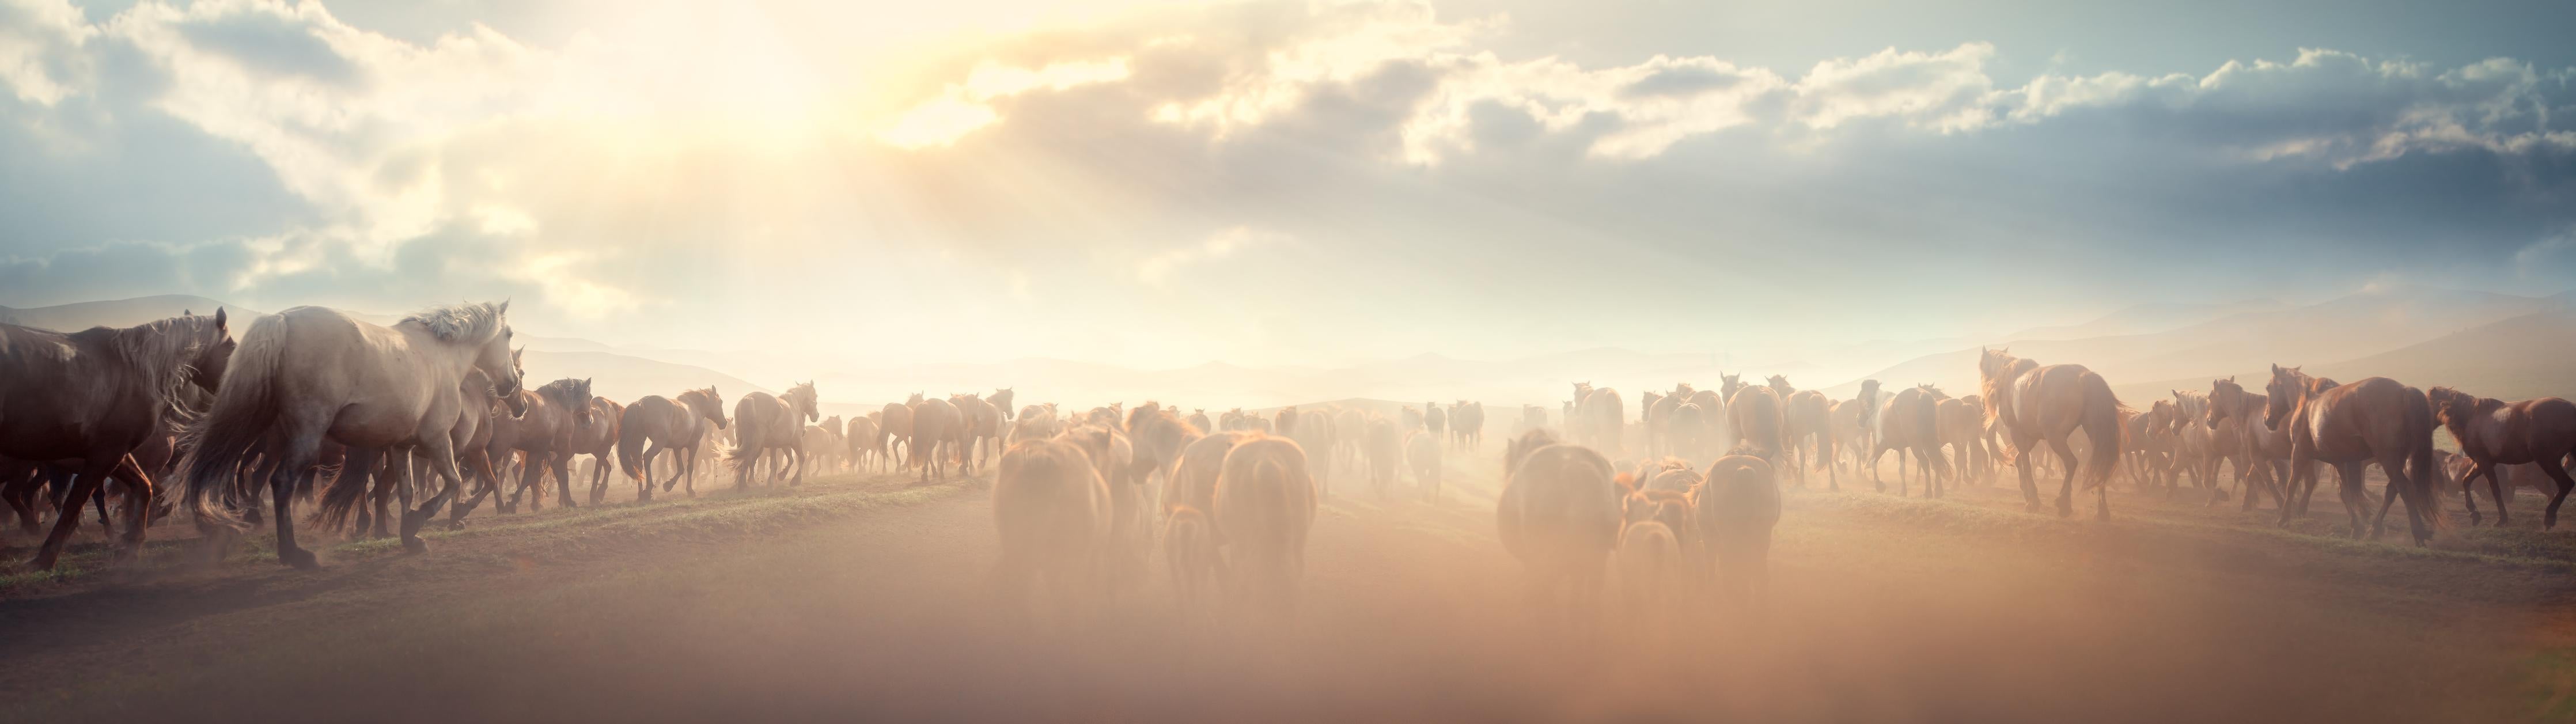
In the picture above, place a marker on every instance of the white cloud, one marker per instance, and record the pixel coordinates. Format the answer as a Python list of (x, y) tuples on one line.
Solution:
[(965, 107), (38, 40), (1158, 267)]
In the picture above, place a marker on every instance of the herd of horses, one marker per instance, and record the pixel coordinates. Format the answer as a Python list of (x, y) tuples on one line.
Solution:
[(383, 428)]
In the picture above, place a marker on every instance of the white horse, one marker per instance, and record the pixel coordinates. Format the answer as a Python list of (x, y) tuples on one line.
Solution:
[(359, 384)]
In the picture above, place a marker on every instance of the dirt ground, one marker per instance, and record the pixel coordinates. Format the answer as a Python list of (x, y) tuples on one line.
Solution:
[(860, 596)]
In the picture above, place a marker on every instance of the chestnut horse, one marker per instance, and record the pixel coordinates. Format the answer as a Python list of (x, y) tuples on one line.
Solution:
[(1806, 417), (2038, 403), (97, 395), (1559, 514), (2373, 420), (311, 373), (2494, 433)]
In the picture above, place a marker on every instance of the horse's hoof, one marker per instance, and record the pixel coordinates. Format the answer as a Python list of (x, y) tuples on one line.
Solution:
[(299, 558), (456, 525), (415, 546)]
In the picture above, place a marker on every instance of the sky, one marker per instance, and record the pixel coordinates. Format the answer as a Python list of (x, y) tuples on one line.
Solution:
[(1159, 185)]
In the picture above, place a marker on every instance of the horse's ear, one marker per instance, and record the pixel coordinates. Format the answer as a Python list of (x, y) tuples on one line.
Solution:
[(504, 308), (219, 319)]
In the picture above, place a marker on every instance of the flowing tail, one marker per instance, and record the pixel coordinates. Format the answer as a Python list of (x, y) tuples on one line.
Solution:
[(2104, 421), (2419, 460), (630, 444), (244, 408), (347, 490)]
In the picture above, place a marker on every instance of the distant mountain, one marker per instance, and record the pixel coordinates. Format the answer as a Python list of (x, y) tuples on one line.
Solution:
[(2340, 329), (624, 378), (2149, 318), (2512, 359)]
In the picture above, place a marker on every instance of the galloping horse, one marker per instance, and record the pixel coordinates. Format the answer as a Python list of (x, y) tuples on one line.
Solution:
[(657, 424), (2266, 449), (1805, 416), (1910, 424), (350, 381), (765, 422), (598, 439), (2036, 403), (96, 396), (2373, 420), (2494, 433)]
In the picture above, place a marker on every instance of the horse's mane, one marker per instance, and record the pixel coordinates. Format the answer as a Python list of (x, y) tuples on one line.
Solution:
[(461, 322), (161, 350), (569, 390)]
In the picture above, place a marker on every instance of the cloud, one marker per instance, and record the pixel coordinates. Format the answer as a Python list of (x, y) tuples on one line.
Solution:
[(39, 49), (1154, 269), (964, 107)]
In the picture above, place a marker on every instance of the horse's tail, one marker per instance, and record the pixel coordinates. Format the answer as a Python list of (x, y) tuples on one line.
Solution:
[(746, 435), (347, 489), (630, 444), (2105, 420), (2419, 459), (245, 406)]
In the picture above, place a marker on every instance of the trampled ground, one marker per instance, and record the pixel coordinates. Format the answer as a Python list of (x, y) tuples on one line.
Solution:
[(861, 595)]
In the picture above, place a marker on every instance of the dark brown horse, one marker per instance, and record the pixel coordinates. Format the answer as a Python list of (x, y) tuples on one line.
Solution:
[(2494, 433), (657, 424), (95, 396), (546, 438), (934, 423), (597, 438)]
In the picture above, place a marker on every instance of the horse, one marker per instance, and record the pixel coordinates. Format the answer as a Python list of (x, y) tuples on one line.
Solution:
[(1001, 401), (1052, 511), (1316, 434), (1037, 422), (764, 422), (1435, 419), (2037, 403), (1559, 514), (1265, 505), (2266, 449), (2195, 450), (934, 423), (1193, 478), (1866, 414), (1735, 511), (978, 422), (894, 426), (347, 380), (1199, 420), (1961, 425), (858, 439), (1385, 450), (544, 435), (1909, 423), (1190, 555), (2149, 442), (2493, 433), (1158, 437), (1805, 417), (479, 412), (1755, 416), (1655, 412), (2372, 420), (96, 396), (1467, 425), (1350, 439), (1422, 455), (1603, 418), (598, 439), (1686, 430)]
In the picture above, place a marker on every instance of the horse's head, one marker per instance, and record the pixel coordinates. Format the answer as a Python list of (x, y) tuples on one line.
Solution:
[(2288, 388), (2451, 405), (915, 399), (1727, 384), (706, 403), (569, 394), (806, 402), (1780, 384), (1932, 391), (210, 348), (2224, 396), (832, 424)]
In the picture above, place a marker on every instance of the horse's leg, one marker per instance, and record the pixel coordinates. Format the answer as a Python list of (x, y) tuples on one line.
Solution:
[(689, 471), (561, 464), (2066, 489), (389, 481), (442, 459), (796, 457), (2355, 497), (2557, 470), (532, 472), (93, 472), (2469, 494), (644, 491), (299, 442), (2495, 489)]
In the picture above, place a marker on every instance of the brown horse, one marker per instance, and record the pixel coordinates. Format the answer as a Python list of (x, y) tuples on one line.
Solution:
[(1193, 483), (1961, 425), (1805, 420), (1559, 515), (657, 424), (979, 423), (2373, 420), (764, 422), (894, 427), (2036, 403), (2266, 449), (1053, 513), (598, 439), (2494, 433), (1158, 437), (310, 373), (934, 423), (97, 395), (1603, 418), (1754, 414), (1735, 511), (1467, 425), (547, 437), (1265, 505), (1910, 425), (858, 442)]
